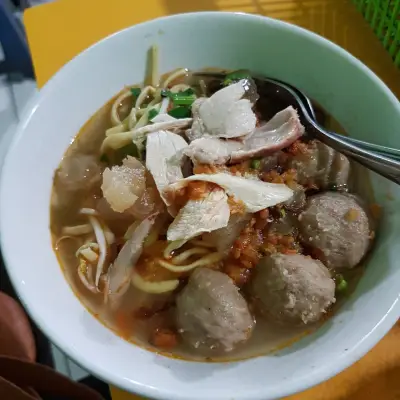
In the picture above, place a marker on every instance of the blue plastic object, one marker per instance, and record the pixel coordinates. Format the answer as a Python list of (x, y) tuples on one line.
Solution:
[(13, 42)]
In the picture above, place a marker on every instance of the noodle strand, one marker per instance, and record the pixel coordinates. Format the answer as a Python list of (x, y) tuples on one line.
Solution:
[(154, 76), (174, 76), (187, 254), (115, 119), (204, 261)]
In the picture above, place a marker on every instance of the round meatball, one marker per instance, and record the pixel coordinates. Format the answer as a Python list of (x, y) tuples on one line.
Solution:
[(211, 313), (321, 165), (337, 228), (292, 289)]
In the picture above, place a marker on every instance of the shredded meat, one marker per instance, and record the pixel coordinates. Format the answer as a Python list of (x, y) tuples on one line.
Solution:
[(288, 177), (194, 190), (236, 206), (246, 248)]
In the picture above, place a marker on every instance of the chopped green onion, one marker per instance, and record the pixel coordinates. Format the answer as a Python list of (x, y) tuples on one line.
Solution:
[(185, 98), (152, 113), (187, 92), (341, 283), (104, 159), (282, 212), (180, 112), (136, 91), (236, 76), (255, 164), (168, 93)]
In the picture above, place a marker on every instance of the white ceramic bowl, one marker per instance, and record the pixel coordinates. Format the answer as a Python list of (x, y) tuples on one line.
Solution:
[(344, 86)]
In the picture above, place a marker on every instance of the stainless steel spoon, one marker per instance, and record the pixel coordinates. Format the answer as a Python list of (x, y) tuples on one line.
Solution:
[(384, 163), (383, 150)]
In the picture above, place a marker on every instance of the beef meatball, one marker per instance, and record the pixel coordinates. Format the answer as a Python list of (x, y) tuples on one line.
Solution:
[(271, 161), (337, 228), (321, 165), (211, 313), (292, 289)]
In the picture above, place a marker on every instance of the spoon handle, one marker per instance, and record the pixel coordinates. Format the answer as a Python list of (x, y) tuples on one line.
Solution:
[(376, 148), (382, 165)]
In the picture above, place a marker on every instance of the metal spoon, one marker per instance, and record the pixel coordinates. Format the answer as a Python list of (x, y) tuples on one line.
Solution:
[(383, 163), (383, 150), (286, 94)]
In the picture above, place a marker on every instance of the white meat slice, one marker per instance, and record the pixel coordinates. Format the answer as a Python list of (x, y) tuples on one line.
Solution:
[(199, 216), (224, 238), (254, 193), (279, 132), (163, 118), (120, 272), (123, 185), (226, 114), (197, 130), (164, 158)]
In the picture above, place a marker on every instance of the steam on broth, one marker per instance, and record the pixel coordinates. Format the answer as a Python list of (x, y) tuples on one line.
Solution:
[(193, 217)]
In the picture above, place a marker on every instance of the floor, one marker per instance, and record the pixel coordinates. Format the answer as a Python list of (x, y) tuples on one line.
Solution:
[(15, 93)]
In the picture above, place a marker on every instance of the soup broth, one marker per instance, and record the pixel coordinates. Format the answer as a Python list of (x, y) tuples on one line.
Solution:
[(147, 318)]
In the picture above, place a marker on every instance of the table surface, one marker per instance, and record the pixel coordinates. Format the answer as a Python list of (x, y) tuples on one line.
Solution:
[(376, 375)]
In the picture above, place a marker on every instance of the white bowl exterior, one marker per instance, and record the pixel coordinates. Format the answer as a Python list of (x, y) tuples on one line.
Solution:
[(339, 82)]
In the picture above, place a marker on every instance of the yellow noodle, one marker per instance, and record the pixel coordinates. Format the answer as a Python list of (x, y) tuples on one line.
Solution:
[(172, 77), (125, 123), (154, 75), (77, 230), (144, 119), (153, 287), (188, 253), (132, 119), (139, 113), (204, 261), (115, 129), (147, 91), (77, 239), (141, 129), (155, 103), (115, 119), (116, 141), (180, 87), (173, 246)]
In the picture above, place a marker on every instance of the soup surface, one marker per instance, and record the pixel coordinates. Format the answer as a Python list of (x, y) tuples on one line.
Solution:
[(193, 216)]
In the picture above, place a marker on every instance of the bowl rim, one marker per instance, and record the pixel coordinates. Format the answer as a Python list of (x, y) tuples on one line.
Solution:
[(368, 341)]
